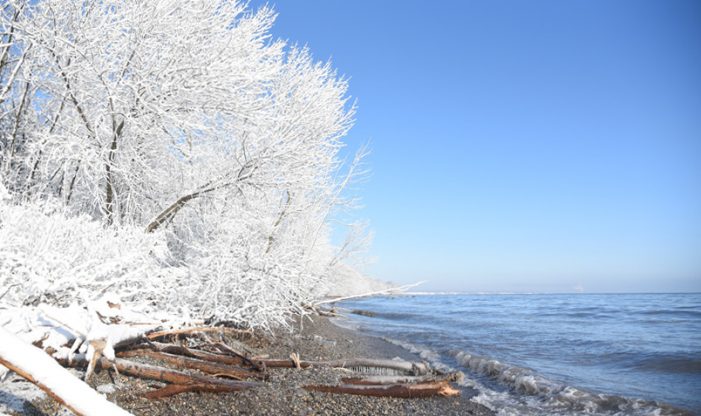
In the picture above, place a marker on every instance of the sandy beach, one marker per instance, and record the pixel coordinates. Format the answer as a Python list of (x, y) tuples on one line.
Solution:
[(319, 339)]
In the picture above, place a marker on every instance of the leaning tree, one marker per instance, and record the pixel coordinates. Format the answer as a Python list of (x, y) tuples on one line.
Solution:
[(186, 119)]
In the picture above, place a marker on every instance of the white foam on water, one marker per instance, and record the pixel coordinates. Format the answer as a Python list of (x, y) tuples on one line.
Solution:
[(521, 392), (426, 354), (528, 393)]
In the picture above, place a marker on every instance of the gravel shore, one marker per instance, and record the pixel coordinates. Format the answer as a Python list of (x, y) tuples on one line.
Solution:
[(282, 394)]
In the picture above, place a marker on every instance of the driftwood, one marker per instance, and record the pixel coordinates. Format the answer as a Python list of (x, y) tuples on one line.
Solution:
[(189, 352), (194, 363), (229, 350), (441, 388), (375, 380), (237, 358), (362, 364), (38, 368), (159, 373), (242, 355), (242, 350), (223, 368)]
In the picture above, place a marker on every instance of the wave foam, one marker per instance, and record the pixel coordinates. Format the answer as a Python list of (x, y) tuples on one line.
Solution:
[(522, 392), (537, 395)]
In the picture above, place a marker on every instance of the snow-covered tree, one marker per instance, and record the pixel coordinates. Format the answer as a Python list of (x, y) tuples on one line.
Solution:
[(187, 120)]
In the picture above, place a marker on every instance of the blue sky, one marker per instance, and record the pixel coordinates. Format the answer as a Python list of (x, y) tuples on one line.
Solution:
[(523, 146)]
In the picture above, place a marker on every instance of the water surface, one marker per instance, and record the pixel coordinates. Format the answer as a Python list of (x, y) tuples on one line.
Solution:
[(556, 354)]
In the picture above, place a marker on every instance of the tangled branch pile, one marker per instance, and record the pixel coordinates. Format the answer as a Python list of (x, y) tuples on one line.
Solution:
[(169, 152), (184, 359)]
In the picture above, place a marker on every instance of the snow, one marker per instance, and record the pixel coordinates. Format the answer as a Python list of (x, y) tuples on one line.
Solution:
[(15, 392), (48, 373), (186, 162), (65, 331), (168, 163)]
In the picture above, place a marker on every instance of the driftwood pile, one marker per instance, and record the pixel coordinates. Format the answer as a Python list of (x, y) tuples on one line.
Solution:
[(221, 367)]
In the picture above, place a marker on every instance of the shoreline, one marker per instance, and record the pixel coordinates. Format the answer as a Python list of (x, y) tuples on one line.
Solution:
[(498, 343), (319, 339)]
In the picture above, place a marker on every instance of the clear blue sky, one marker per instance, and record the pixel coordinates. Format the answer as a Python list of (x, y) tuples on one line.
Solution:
[(523, 145)]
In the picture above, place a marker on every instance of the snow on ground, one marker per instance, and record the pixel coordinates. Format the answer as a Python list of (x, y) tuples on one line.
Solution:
[(15, 391), (59, 381), (62, 331)]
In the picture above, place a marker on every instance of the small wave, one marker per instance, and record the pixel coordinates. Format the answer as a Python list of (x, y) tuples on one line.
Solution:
[(664, 363), (579, 315), (552, 397), (576, 346), (426, 354), (529, 394), (679, 364), (397, 316), (678, 313)]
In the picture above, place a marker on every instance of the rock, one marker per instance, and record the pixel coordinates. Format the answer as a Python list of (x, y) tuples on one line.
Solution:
[(364, 313)]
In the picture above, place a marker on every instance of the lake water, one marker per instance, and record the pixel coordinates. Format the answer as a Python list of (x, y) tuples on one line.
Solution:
[(555, 354)]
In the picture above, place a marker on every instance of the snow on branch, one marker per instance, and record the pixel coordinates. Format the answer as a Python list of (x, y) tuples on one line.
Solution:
[(171, 153)]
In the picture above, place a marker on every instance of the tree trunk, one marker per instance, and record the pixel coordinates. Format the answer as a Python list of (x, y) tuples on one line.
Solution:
[(109, 186)]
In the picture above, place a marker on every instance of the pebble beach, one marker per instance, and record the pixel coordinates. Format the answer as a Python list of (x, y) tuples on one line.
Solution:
[(315, 340)]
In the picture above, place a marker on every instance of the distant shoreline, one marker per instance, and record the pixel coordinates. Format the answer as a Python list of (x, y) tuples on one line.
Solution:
[(427, 293)]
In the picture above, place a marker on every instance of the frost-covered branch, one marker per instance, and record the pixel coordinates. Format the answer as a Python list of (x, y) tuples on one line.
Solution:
[(172, 153)]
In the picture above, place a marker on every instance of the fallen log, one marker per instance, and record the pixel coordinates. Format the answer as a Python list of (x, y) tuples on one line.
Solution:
[(38, 368), (243, 351), (231, 358), (243, 355), (189, 352), (375, 380), (282, 363), (158, 373), (193, 363), (441, 388), (365, 365)]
